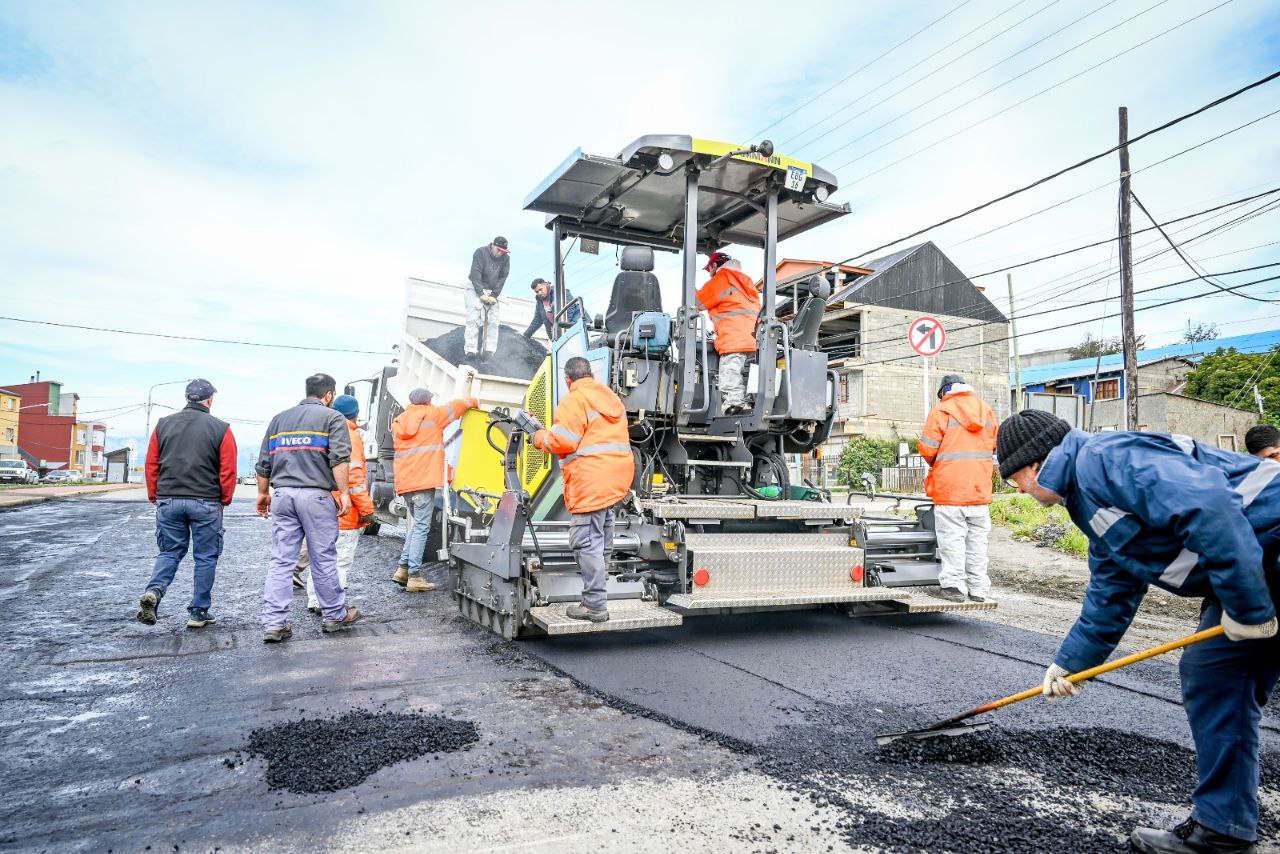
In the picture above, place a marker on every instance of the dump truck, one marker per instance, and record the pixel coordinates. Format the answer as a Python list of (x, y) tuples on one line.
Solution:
[(712, 524)]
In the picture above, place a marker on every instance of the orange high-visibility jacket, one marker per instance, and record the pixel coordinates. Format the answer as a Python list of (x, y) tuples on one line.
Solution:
[(589, 432), (419, 442), (733, 302), (361, 503), (958, 441)]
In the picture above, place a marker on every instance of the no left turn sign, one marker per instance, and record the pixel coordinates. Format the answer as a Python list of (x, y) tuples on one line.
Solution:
[(926, 336)]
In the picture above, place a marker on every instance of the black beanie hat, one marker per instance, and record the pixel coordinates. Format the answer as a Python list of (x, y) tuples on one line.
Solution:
[(1027, 437)]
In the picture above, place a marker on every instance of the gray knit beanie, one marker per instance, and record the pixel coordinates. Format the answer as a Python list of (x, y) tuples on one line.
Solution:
[(420, 395), (1027, 437)]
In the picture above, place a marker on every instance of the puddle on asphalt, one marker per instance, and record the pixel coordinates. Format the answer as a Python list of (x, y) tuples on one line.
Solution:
[(328, 754)]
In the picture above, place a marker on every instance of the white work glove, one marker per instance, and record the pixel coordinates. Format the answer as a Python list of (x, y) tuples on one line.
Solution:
[(1240, 632), (488, 298), (1056, 684)]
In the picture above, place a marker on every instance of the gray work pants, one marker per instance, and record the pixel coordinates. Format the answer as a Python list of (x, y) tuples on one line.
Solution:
[(733, 385), (962, 547), (299, 514), (591, 538), (481, 320)]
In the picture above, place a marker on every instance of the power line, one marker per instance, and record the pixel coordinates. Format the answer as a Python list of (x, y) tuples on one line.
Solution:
[(861, 68)]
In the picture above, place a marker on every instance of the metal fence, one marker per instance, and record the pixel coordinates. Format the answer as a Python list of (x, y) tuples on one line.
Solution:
[(903, 479)]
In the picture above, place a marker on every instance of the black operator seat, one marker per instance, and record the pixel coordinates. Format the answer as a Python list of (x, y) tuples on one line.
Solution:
[(808, 320), (635, 288)]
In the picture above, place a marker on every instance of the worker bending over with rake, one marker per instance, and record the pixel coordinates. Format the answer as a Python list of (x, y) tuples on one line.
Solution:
[(589, 433), (733, 302), (1196, 521)]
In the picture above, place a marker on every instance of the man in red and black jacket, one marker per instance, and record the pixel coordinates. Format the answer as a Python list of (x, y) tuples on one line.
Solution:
[(191, 476)]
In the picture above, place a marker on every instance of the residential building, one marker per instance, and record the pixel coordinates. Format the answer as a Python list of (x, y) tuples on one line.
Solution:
[(1097, 385), (10, 410), (45, 434), (882, 391)]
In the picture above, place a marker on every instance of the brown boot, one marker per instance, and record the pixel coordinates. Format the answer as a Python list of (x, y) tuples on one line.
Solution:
[(418, 585), (348, 617), (402, 575)]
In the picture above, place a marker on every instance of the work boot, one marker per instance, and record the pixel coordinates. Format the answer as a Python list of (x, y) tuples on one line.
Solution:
[(199, 618), (298, 583), (418, 584), (973, 598), (280, 633), (470, 357), (147, 606), (313, 607), (951, 594), (1190, 837), (402, 575), (581, 612), (350, 616)]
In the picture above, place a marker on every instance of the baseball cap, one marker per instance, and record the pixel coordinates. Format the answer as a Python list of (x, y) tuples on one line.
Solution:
[(200, 390), (501, 243), (716, 259)]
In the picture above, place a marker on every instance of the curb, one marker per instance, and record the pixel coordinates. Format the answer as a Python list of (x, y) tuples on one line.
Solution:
[(9, 503)]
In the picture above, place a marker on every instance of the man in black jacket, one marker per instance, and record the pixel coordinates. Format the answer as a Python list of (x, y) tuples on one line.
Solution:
[(489, 268), (191, 476), (544, 311)]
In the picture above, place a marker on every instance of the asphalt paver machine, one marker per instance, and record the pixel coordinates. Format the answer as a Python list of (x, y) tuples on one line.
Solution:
[(713, 524)]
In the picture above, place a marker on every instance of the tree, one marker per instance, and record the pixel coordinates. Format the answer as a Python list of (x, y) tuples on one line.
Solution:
[(1228, 376), (1201, 331), (1090, 347)]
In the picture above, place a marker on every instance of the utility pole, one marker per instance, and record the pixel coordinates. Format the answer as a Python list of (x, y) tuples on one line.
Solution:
[(1017, 363), (1126, 283), (147, 436)]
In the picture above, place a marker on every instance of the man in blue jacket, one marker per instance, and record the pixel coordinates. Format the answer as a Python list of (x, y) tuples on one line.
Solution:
[(1199, 522)]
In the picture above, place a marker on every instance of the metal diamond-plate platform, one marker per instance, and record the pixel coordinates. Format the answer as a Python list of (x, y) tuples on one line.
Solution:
[(803, 510), (624, 615), (698, 510), (765, 542), (923, 603), (765, 599)]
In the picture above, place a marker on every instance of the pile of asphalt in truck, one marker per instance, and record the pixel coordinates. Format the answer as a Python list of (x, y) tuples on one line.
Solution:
[(517, 357)]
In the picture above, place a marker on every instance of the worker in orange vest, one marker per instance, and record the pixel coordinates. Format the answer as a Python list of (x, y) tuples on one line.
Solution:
[(589, 433), (733, 302), (419, 472), (354, 521), (958, 442)]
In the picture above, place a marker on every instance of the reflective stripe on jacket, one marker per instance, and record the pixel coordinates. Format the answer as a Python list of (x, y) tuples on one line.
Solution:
[(1165, 510), (357, 488), (733, 302), (419, 443), (589, 433), (958, 440)]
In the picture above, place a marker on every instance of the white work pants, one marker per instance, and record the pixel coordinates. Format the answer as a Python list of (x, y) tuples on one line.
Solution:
[(482, 320), (733, 385), (347, 542), (962, 547)]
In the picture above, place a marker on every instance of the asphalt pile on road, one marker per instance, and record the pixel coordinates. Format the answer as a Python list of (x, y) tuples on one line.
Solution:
[(517, 357), (328, 754)]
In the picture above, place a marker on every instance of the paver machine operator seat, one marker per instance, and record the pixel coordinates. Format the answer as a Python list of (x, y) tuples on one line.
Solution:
[(635, 289), (808, 320)]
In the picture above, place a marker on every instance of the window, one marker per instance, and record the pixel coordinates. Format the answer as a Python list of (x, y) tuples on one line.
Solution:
[(1106, 389), (10, 435), (1226, 442), (844, 388), (79, 458), (8, 403), (1064, 389)]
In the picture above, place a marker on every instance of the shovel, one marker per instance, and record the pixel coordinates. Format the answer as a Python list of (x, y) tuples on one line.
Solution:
[(956, 726)]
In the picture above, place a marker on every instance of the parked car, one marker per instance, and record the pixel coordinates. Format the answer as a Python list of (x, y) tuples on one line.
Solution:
[(63, 476), (250, 479), (17, 471)]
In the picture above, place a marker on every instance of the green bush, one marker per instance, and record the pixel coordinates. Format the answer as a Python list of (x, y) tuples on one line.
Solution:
[(1023, 515), (869, 455)]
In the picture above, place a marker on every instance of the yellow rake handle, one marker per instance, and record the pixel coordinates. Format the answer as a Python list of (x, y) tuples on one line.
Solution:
[(1108, 667)]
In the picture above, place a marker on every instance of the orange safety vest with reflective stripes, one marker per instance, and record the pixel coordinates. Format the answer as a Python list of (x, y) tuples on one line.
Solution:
[(419, 443), (958, 441), (733, 302), (589, 432), (357, 488)]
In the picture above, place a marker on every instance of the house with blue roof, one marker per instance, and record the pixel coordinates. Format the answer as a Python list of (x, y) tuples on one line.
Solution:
[(1091, 392)]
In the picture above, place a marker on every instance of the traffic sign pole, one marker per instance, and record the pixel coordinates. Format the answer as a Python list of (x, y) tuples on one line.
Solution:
[(927, 407), (926, 336)]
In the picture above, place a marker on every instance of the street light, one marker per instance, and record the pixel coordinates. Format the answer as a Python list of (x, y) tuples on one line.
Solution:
[(147, 436)]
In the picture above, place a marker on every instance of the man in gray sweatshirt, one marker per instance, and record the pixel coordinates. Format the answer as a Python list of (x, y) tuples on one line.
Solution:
[(489, 268)]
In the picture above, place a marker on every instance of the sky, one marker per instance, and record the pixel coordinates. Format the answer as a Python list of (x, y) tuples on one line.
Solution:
[(272, 172)]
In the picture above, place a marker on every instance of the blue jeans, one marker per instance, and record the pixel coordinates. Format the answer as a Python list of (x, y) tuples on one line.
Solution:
[(422, 507), (180, 521), (1225, 684)]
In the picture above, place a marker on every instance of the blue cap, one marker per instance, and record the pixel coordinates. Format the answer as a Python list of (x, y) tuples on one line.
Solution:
[(200, 390), (347, 405)]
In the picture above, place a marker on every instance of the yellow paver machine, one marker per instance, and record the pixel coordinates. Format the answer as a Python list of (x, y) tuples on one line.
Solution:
[(713, 524)]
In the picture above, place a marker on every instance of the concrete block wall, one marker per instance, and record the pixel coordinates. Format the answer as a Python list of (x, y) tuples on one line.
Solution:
[(1159, 412)]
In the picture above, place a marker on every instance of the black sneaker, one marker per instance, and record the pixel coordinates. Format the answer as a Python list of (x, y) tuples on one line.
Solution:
[(1190, 837), (977, 599), (950, 594), (199, 618), (147, 606)]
